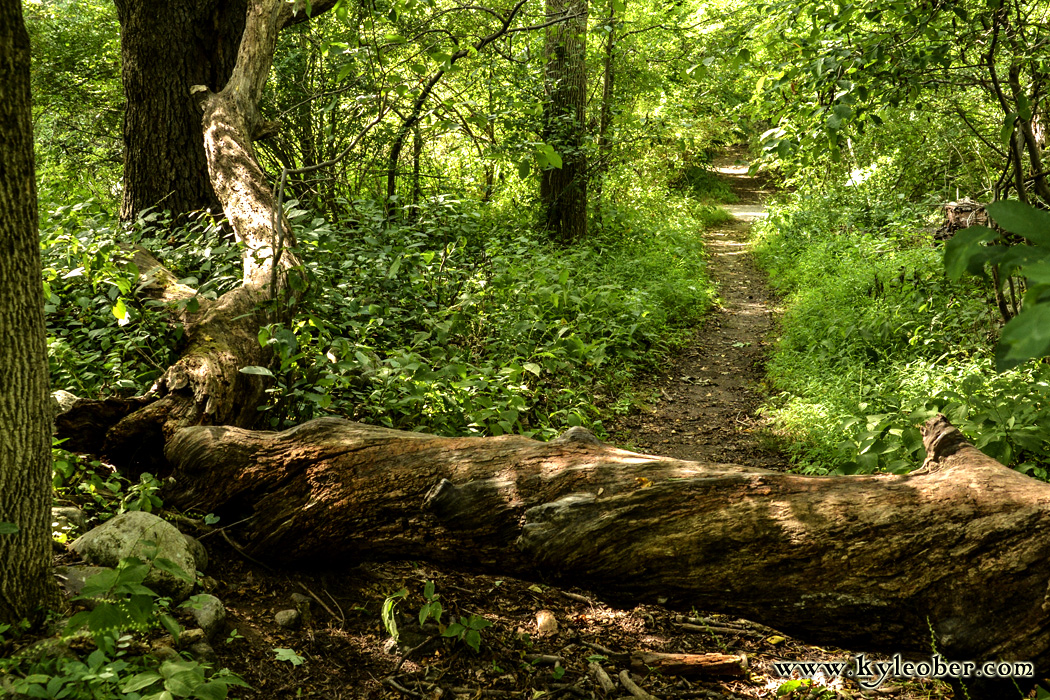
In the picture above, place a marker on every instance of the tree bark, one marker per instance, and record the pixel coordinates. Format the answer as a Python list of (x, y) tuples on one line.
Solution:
[(206, 386), (953, 558), (564, 190), (167, 46), (26, 583)]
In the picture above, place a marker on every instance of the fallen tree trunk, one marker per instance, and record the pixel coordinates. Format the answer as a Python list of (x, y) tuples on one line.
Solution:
[(953, 558)]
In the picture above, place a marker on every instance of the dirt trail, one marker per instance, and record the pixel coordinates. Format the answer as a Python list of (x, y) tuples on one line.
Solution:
[(708, 397)]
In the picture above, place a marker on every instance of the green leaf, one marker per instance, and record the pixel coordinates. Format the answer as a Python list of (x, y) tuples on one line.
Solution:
[(256, 369), (167, 565), (617, 5), (140, 681), (1025, 337), (1008, 129), (289, 656), (966, 251), (212, 690), (185, 683), (8, 528), (1022, 219), (120, 312)]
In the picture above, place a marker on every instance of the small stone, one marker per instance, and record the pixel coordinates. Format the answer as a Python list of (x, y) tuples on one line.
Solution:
[(288, 619), (209, 613), (203, 652), (143, 535), (62, 401), (390, 647), (207, 583), (301, 600), (163, 653), (190, 637), (546, 624), (73, 578), (66, 519)]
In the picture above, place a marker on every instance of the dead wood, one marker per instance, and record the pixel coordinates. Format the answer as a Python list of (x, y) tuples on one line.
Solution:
[(953, 558), (690, 664)]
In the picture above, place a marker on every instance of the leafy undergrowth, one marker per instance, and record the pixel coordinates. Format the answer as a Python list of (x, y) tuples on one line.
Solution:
[(464, 321), (876, 339)]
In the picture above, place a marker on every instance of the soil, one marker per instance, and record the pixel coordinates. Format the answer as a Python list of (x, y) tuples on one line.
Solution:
[(707, 405), (706, 402)]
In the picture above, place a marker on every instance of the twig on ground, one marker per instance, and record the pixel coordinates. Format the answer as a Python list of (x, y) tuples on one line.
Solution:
[(632, 687)]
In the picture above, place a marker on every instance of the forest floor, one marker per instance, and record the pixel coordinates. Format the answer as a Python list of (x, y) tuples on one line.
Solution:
[(706, 410), (707, 400)]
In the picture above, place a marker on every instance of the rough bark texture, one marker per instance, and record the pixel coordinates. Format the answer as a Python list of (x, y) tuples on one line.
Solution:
[(564, 190), (25, 404), (167, 46), (956, 554), (206, 385)]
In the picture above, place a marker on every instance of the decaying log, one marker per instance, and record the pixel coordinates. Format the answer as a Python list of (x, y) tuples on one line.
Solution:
[(690, 664), (959, 215), (952, 558)]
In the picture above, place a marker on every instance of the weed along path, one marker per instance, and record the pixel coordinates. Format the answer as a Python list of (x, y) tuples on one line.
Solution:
[(706, 401)]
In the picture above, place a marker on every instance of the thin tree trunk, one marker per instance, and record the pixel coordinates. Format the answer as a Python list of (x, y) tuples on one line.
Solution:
[(605, 118), (564, 190), (417, 154), (26, 584)]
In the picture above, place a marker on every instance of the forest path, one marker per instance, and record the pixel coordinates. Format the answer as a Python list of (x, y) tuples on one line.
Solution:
[(709, 394)]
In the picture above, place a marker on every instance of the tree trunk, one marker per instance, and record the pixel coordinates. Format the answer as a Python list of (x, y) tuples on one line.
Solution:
[(953, 558), (605, 118), (26, 583), (564, 190), (167, 46)]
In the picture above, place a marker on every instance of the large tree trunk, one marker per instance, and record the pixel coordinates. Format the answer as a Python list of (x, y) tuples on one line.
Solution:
[(953, 558), (167, 46), (564, 190), (25, 404), (206, 386)]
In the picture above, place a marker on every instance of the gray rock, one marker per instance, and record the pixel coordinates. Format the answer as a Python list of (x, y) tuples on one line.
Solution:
[(203, 652), (200, 554), (66, 519), (209, 613), (73, 578), (288, 618), (165, 653), (142, 535)]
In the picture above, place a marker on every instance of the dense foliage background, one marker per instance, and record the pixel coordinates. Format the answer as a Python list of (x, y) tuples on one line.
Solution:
[(445, 307)]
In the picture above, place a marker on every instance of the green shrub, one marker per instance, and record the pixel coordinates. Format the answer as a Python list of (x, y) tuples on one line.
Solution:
[(876, 339)]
